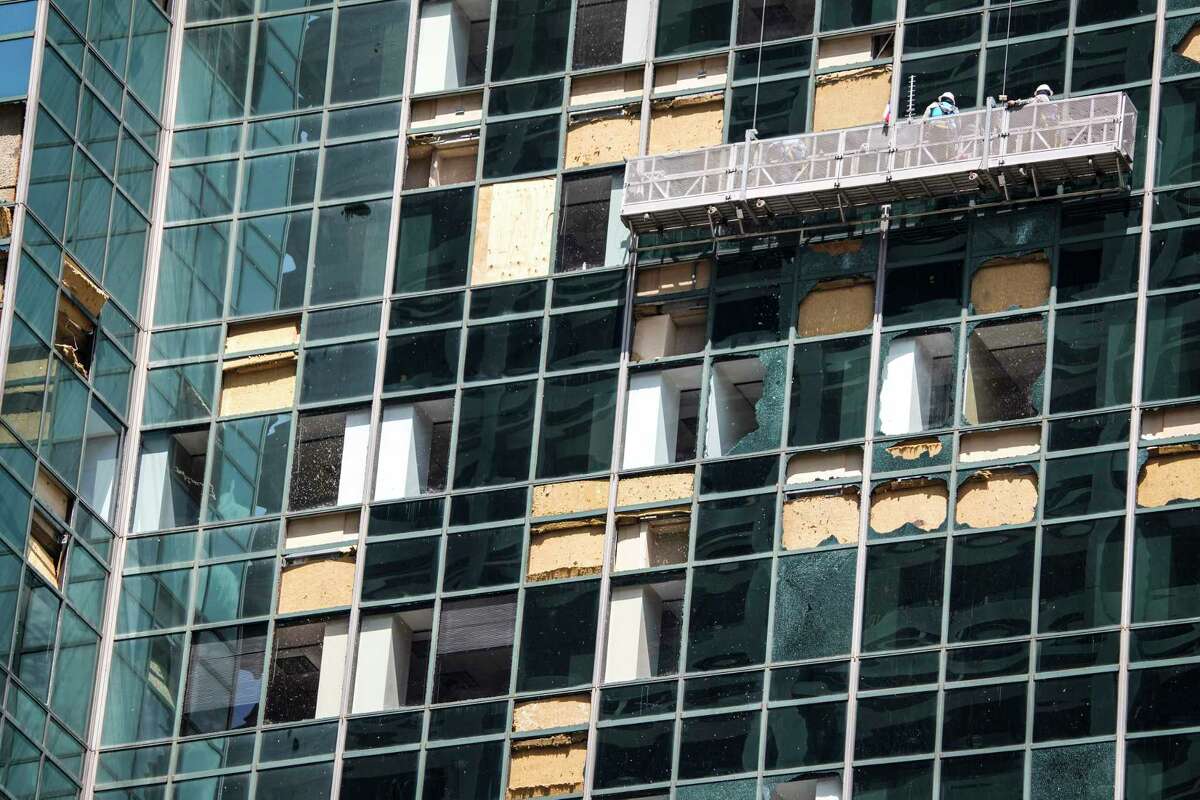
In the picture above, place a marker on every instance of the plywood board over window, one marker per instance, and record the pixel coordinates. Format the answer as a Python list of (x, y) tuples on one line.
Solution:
[(258, 383), (312, 583), (687, 123), (514, 226), (603, 137), (851, 97)]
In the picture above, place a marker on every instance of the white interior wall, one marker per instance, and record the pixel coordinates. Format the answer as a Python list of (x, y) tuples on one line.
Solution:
[(404, 441), (99, 470), (904, 391), (333, 665), (154, 508), (443, 40), (381, 674), (637, 29), (651, 421), (635, 616)]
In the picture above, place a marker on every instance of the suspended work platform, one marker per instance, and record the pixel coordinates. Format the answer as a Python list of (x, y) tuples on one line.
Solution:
[(1035, 148)]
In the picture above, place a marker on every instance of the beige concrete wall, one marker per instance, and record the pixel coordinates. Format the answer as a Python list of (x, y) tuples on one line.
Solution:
[(997, 497), (514, 227), (1171, 422), (1001, 284), (699, 73), (852, 97), (12, 123), (811, 520), (1004, 443), (565, 550), (921, 503), (263, 335), (837, 306), (687, 123), (610, 87), (551, 712), (459, 109), (1170, 474), (655, 488), (688, 276), (325, 529), (258, 383), (825, 465), (552, 499), (547, 767), (311, 584), (53, 495), (603, 139)]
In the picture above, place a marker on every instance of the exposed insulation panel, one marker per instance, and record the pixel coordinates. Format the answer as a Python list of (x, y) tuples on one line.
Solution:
[(699, 73), (688, 276), (547, 767), (1170, 474), (1009, 283), (1171, 422), (565, 550), (12, 123), (922, 504), (316, 583), (551, 712), (1189, 45), (992, 445), (439, 112), (610, 87), (825, 518), (52, 494), (552, 499), (997, 497), (326, 529), (258, 383), (602, 139), (263, 335), (514, 227), (656, 488), (687, 123), (825, 465), (85, 291), (852, 97), (915, 449), (837, 306)]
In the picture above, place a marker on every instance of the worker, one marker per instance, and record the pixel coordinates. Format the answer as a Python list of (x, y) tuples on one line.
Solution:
[(944, 106), (1043, 94)]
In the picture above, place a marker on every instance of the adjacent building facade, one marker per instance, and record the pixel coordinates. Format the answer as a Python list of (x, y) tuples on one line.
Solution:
[(352, 447)]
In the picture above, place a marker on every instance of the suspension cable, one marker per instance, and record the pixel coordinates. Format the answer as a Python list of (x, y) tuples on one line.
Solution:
[(1007, 44), (762, 32)]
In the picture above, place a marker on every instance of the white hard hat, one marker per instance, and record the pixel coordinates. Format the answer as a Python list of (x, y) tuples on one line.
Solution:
[(948, 96), (1043, 89)]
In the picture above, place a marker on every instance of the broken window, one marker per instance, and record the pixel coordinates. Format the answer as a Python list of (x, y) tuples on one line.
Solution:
[(414, 448), (451, 44), (820, 519), (170, 479), (610, 32), (654, 538), (316, 581), (392, 661), (669, 329), (590, 232), (46, 549), (74, 335), (328, 465), (644, 629), (745, 401), (558, 636), (514, 227), (917, 389), (1005, 362), (661, 417), (441, 159), (307, 667), (474, 648), (775, 19)]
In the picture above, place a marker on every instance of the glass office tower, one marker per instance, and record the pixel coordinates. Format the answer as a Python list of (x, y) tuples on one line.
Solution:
[(352, 447)]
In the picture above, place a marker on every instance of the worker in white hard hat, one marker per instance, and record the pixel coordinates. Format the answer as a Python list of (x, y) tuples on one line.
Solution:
[(1042, 94), (944, 106)]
